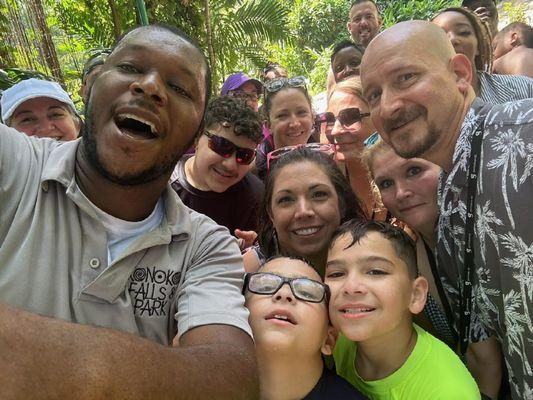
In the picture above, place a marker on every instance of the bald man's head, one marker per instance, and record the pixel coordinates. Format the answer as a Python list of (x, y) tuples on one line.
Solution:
[(415, 84)]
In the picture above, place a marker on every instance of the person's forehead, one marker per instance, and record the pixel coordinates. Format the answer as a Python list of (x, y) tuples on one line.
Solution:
[(363, 8), (154, 41), (291, 173), (248, 87), (290, 268), (38, 103), (340, 100), (348, 53), (371, 246)]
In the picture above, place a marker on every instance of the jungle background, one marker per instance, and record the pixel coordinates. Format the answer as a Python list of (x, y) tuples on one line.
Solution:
[(53, 38)]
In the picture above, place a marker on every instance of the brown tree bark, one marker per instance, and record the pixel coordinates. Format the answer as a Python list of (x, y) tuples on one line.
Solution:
[(115, 16), (46, 39), (210, 48)]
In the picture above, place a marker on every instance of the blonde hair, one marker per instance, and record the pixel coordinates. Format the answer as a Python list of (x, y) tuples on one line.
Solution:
[(352, 86), (370, 153)]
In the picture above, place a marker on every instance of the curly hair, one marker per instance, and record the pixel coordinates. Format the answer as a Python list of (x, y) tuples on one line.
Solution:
[(483, 61), (349, 204), (235, 111)]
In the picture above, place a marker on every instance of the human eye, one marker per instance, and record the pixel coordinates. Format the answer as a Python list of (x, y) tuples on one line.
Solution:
[(376, 271), (320, 195), (412, 171), (385, 184), (334, 274), (178, 89), (373, 96), (406, 77), (27, 120), (464, 33), (128, 68), (284, 200), (303, 113)]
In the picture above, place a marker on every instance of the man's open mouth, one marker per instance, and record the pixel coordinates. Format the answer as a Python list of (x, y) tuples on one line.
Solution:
[(136, 126)]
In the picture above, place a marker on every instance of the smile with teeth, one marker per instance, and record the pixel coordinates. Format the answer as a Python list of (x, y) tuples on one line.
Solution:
[(137, 126), (306, 231), (357, 310)]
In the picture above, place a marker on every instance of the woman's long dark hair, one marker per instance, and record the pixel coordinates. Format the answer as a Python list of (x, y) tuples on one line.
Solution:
[(349, 204)]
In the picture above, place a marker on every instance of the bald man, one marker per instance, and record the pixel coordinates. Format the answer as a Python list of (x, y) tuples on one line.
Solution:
[(423, 105)]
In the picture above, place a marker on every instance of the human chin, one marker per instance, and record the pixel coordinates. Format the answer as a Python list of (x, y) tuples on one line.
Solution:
[(115, 165)]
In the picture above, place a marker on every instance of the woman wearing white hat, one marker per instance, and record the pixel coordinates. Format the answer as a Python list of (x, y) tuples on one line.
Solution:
[(40, 108)]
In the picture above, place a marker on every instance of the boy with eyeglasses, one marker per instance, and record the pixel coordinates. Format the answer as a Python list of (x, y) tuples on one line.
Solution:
[(375, 290), (216, 180), (289, 318)]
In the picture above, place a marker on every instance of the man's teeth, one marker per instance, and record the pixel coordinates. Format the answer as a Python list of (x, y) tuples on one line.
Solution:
[(122, 117), (357, 310), (306, 231), (283, 317)]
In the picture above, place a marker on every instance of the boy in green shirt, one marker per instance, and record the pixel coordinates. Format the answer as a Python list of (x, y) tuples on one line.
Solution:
[(371, 271)]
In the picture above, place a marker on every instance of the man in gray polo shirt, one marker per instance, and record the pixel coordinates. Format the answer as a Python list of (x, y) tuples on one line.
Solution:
[(93, 241)]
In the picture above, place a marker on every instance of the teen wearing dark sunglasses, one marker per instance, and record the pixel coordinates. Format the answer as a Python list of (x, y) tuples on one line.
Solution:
[(216, 180), (287, 301)]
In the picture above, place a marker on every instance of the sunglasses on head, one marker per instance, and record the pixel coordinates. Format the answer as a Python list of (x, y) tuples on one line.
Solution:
[(276, 84), (347, 117), (225, 148), (325, 148), (304, 289)]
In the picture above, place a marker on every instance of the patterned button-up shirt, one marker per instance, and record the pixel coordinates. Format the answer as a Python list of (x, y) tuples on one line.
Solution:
[(502, 295)]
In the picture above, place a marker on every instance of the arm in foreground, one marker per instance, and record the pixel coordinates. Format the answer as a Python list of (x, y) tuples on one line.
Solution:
[(48, 358), (484, 361)]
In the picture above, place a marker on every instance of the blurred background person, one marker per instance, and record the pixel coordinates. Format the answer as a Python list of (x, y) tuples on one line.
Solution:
[(40, 108), (513, 50), (242, 86)]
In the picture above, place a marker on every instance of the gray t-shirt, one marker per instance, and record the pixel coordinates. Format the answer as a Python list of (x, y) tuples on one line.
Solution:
[(53, 253)]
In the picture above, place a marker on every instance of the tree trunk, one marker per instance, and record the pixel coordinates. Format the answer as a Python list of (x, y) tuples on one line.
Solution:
[(210, 48), (46, 40), (115, 16)]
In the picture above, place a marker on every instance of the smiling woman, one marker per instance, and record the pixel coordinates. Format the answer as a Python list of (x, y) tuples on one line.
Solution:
[(306, 199)]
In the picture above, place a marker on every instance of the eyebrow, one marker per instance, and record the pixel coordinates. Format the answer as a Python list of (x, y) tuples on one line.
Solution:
[(140, 47), (342, 263)]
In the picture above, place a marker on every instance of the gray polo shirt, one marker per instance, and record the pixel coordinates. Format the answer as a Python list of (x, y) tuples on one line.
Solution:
[(53, 253)]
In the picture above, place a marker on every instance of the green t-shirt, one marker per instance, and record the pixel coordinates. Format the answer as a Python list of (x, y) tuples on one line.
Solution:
[(432, 371)]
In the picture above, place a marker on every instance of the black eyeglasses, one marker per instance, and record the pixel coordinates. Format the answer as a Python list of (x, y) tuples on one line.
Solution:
[(225, 148), (302, 288), (325, 122), (276, 84)]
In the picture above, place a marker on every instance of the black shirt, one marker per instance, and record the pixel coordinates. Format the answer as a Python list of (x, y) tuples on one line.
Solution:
[(333, 387), (237, 207)]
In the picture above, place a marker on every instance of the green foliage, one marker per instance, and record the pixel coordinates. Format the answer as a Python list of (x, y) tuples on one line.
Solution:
[(515, 12), (10, 76), (393, 11)]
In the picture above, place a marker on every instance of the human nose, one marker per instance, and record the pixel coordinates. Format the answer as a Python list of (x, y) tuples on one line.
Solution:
[(403, 191), (150, 85), (354, 284), (230, 163), (284, 294), (44, 128), (453, 38), (304, 208), (389, 103)]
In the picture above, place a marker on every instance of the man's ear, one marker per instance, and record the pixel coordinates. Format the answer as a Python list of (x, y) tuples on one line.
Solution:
[(329, 343), (515, 39), (419, 295), (380, 21), (464, 73)]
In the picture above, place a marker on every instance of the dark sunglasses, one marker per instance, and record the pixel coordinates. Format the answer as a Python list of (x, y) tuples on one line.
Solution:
[(302, 288), (324, 122), (241, 94), (225, 148), (276, 84), (325, 148)]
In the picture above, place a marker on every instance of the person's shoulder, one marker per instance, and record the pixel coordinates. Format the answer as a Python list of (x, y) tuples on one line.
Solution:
[(333, 387), (503, 116), (441, 371)]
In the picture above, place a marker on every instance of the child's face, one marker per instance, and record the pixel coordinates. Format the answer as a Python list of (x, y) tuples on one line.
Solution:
[(372, 294), (281, 321)]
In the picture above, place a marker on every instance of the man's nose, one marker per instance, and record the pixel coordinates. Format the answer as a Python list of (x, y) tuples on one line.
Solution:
[(151, 85)]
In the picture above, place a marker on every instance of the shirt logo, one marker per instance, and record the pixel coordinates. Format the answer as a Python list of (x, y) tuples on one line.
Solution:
[(151, 289)]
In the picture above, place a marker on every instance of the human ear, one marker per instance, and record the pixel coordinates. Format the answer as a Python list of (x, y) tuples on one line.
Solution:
[(329, 343), (418, 295), (349, 27), (514, 39), (464, 73)]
